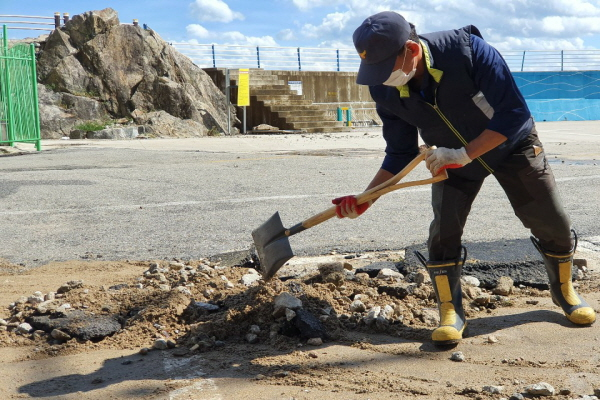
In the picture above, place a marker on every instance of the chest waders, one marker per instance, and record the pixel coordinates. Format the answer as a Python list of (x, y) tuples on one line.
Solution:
[(445, 277), (558, 267)]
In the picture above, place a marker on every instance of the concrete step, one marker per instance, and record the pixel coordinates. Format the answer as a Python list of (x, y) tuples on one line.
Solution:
[(327, 129), (304, 113), (275, 100), (307, 118), (274, 92), (311, 124), (298, 105)]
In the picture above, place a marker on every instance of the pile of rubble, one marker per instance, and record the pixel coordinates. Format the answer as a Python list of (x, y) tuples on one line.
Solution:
[(201, 305)]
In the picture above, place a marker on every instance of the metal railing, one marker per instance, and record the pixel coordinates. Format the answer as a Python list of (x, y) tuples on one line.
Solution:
[(269, 57), (19, 110), (33, 23), (319, 59)]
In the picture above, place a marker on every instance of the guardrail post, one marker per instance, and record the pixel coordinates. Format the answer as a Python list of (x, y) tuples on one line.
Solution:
[(348, 116), (213, 57), (299, 64), (7, 89), (562, 60), (36, 106), (135, 22), (523, 61), (65, 18), (258, 56), (56, 20), (338, 59)]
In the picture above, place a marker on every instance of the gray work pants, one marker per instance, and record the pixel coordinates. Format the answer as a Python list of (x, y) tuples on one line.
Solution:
[(530, 187)]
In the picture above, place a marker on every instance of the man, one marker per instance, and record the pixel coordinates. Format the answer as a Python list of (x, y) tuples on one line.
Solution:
[(457, 92)]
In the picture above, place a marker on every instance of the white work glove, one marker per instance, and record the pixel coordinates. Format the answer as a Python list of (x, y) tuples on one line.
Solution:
[(441, 158)]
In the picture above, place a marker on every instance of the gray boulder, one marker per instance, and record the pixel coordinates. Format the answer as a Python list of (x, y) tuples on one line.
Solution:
[(101, 70)]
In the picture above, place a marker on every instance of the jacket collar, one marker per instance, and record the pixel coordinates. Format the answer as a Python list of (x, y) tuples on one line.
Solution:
[(435, 73)]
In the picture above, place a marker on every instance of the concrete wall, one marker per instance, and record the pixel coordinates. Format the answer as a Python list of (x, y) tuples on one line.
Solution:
[(551, 96), (328, 87)]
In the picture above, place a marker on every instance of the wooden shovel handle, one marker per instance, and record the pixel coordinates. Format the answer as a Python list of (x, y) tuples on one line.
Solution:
[(388, 186)]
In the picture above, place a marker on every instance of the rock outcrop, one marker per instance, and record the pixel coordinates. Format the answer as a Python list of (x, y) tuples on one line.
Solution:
[(95, 69)]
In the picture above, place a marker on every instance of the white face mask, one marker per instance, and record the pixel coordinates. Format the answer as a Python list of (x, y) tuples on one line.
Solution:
[(399, 77)]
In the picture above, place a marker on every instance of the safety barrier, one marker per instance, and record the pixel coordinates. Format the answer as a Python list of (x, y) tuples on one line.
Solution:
[(320, 59), (19, 110)]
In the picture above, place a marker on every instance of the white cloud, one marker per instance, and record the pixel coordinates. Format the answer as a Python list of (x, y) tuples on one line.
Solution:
[(308, 4), (197, 30), (286, 34), (214, 10), (239, 38), (536, 23)]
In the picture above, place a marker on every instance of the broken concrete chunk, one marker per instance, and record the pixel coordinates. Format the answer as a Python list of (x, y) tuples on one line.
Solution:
[(284, 301)]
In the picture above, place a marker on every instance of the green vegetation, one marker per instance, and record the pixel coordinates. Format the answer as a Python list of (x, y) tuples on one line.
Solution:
[(214, 131), (91, 126)]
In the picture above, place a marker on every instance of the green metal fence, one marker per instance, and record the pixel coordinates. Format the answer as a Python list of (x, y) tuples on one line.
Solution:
[(19, 110)]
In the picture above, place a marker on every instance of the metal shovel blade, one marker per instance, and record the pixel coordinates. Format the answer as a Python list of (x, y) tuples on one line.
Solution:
[(272, 245)]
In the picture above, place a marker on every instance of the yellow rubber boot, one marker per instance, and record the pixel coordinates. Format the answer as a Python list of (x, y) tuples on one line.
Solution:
[(445, 277), (559, 268)]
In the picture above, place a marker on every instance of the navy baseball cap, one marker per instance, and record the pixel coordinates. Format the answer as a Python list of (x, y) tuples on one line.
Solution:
[(378, 41)]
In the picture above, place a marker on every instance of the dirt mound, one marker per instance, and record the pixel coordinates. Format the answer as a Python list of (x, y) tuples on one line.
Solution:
[(201, 305)]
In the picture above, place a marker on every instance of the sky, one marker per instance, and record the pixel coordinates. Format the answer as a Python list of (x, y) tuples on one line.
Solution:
[(506, 24)]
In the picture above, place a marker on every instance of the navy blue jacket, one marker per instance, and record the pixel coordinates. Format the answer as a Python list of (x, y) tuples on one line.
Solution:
[(467, 88)]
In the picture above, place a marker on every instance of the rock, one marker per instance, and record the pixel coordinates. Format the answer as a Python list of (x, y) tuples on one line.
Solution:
[(315, 341), (37, 298), (504, 286), (540, 389), (492, 339), (330, 268), (291, 314), (422, 277), (48, 306), (160, 344), (357, 306), (308, 325), (373, 269), (251, 338), (79, 324), (388, 273), (472, 292), (144, 350), (399, 291), (493, 389), (67, 287), (23, 329), (516, 396), (285, 301), (254, 329), (60, 335), (387, 312), (457, 356), (482, 299), (3, 322), (150, 75), (372, 315), (196, 309), (250, 278), (430, 317), (470, 281)]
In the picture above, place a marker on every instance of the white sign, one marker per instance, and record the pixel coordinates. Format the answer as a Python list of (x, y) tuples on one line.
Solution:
[(297, 86)]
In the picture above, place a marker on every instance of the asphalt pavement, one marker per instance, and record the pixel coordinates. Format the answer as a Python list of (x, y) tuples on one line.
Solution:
[(190, 198)]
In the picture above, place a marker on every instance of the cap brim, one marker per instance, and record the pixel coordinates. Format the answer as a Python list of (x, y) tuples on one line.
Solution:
[(376, 74)]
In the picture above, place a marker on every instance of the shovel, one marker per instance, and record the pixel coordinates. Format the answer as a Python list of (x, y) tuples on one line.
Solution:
[(271, 239)]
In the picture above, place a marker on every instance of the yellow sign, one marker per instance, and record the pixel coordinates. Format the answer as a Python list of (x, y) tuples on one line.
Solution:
[(244, 88)]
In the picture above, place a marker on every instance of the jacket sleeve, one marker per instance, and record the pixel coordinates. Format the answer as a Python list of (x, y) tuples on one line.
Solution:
[(401, 139), (493, 77)]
